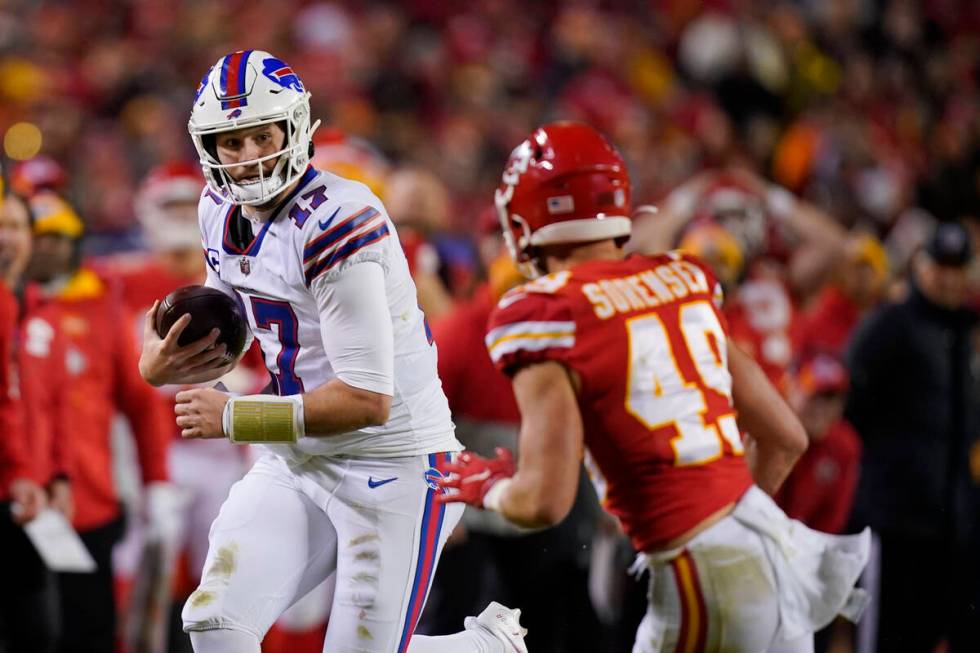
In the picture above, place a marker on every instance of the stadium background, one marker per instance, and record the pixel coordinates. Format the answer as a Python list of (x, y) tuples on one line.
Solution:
[(869, 109)]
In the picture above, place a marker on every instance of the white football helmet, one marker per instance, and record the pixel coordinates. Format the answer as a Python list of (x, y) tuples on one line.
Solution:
[(245, 89)]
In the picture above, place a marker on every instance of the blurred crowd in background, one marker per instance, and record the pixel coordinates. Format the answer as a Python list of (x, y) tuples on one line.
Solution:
[(867, 106), (862, 115)]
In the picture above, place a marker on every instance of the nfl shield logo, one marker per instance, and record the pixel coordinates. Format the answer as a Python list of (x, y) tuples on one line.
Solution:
[(244, 266)]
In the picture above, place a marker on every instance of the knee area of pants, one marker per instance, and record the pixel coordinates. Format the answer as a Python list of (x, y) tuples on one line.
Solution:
[(205, 607), (197, 618)]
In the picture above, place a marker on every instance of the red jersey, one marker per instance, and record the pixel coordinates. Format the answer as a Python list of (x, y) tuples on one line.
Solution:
[(14, 460), (42, 383), (647, 341), (762, 320), (103, 364), (421, 255), (828, 324), (820, 490), (475, 389)]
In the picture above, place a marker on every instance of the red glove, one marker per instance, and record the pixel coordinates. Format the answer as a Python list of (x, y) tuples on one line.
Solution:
[(472, 476)]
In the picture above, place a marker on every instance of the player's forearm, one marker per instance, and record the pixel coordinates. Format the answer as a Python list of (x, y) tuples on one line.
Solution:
[(543, 490), (823, 240), (769, 466), (530, 501), (777, 437), (336, 407)]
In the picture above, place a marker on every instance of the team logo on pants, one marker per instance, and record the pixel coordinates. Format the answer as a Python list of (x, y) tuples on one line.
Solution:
[(432, 478)]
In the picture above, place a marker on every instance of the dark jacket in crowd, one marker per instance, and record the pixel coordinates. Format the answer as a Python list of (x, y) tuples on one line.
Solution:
[(913, 401)]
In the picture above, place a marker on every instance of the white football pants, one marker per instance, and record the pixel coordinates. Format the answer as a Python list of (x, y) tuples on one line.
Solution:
[(286, 527), (755, 582)]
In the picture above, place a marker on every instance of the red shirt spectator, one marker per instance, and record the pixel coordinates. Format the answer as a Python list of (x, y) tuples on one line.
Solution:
[(475, 388), (41, 355), (820, 490), (102, 362), (14, 460), (829, 321)]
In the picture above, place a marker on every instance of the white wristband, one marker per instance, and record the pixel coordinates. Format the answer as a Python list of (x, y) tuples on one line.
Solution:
[(493, 497), (263, 418)]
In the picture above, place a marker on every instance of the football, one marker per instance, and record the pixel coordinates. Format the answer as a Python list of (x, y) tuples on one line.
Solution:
[(209, 309)]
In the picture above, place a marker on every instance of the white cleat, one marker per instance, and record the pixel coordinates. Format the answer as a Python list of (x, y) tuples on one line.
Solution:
[(503, 623)]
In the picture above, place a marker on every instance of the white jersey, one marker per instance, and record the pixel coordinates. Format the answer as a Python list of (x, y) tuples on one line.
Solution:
[(315, 239)]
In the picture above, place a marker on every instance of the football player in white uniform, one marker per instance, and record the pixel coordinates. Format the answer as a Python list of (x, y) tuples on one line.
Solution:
[(357, 428)]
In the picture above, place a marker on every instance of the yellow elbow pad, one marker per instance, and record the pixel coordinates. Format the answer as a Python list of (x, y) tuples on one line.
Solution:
[(256, 419)]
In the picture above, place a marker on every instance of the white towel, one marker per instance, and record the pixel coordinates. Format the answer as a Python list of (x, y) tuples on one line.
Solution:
[(815, 572)]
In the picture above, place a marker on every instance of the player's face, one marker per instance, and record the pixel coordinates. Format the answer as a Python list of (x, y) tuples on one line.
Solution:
[(248, 144), (15, 239), (51, 256), (861, 283), (944, 285), (820, 412)]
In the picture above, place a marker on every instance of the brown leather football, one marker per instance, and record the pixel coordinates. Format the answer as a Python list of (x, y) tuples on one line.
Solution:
[(209, 309)]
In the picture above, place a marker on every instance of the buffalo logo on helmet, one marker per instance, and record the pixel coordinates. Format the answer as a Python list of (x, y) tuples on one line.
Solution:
[(279, 71), (234, 114)]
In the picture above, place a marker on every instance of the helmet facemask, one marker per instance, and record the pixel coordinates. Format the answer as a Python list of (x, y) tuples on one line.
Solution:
[(517, 236), (292, 161)]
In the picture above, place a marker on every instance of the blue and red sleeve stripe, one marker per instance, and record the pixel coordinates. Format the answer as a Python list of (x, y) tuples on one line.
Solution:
[(327, 239), (349, 249)]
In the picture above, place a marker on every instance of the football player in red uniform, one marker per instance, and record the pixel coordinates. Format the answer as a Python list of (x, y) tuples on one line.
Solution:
[(788, 246), (626, 361)]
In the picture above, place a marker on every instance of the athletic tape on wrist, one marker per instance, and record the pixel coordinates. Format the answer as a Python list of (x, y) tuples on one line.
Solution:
[(494, 496), (263, 419)]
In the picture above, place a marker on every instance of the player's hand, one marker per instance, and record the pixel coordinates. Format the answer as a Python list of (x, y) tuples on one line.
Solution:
[(61, 499), (27, 498), (472, 476), (199, 413), (163, 361)]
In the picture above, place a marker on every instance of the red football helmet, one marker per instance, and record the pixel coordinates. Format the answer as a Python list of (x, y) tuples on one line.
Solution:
[(166, 206), (565, 184)]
